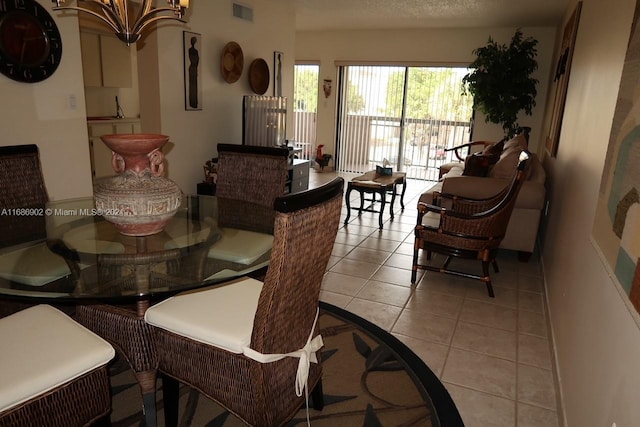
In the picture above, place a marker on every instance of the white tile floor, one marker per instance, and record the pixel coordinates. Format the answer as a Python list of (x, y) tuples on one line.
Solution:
[(493, 354)]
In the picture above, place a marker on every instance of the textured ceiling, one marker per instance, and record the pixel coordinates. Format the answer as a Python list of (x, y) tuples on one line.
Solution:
[(393, 14)]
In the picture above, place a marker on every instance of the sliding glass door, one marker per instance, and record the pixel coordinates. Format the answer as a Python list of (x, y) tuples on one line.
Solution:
[(405, 116)]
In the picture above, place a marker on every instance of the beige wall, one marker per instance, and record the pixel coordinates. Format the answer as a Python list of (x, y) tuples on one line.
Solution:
[(41, 113), (596, 336), (421, 47)]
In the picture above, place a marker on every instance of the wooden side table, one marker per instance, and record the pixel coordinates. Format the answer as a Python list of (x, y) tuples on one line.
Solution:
[(372, 183)]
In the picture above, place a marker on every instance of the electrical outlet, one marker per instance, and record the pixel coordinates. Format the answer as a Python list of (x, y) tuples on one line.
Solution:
[(73, 102)]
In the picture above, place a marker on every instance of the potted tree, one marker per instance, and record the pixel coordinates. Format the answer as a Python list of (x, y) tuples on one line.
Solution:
[(501, 82)]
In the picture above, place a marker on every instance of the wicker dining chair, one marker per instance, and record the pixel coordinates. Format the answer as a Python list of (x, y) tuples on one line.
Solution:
[(21, 187), (23, 198), (54, 371), (467, 228), (212, 339), (251, 174)]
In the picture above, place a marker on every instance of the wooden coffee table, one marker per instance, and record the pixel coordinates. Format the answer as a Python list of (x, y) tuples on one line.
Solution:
[(373, 183)]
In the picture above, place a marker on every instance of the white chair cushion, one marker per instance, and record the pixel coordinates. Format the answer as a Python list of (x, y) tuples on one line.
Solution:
[(221, 316), (43, 348), (34, 265), (240, 246)]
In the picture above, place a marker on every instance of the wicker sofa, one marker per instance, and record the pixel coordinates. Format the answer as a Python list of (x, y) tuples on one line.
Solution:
[(523, 226)]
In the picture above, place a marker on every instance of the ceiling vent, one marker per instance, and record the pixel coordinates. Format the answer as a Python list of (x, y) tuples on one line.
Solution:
[(243, 12)]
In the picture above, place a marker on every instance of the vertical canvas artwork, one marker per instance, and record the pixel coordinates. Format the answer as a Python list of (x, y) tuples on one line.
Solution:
[(616, 229), (561, 79), (192, 73), (277, 73)]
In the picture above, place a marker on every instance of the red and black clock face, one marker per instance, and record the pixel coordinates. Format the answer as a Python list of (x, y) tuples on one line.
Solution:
[(30, 43)]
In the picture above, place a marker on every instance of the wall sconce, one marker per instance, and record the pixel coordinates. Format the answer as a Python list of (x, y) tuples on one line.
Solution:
[(326, 87), (115, 13)]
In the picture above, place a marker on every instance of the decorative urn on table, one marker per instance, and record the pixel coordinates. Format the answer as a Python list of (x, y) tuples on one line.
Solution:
[(139, 201)]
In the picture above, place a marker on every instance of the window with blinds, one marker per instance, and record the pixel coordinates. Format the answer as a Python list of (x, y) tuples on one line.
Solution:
[(405, 115)]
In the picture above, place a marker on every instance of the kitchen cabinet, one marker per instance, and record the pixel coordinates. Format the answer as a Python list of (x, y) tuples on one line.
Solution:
[(106, 61)]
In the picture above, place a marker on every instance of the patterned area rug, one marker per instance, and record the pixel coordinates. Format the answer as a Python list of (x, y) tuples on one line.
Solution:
[(369, 379)]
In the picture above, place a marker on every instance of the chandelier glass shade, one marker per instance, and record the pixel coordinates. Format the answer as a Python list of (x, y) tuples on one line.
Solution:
[(126, 18)]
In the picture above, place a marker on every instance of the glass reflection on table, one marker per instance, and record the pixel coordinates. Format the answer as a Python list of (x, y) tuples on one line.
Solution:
[(84, 257)]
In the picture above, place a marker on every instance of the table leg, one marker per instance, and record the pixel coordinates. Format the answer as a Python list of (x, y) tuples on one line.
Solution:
[(393, 199), (404, 188), (383, 195)]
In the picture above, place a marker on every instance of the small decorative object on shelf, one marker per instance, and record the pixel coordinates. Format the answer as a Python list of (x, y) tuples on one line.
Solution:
[(211, 171), (139, 201)]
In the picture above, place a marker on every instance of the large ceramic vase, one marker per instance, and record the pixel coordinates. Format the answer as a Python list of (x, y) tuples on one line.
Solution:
[(139, 201)]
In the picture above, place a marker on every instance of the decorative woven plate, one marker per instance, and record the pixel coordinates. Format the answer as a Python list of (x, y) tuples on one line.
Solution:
[(259, 76), (231, 62)]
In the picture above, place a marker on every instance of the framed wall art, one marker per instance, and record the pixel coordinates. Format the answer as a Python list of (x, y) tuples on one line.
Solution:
[(278, 57), (561, 79), (616, 227), (192, 74)]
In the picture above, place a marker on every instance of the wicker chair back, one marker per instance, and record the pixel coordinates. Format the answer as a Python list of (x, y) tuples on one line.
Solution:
[(21, 189), (251, 173)]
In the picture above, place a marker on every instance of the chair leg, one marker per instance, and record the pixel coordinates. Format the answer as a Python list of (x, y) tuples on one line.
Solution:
[(414, 268), (485, 272), (170, 397), (317, 396), (495, 266), (446, 263)]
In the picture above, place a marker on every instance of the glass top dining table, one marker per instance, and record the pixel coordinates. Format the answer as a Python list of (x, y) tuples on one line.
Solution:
[(84, 257)]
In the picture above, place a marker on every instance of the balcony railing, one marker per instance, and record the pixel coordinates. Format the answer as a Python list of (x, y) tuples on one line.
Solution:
[(366, 141)]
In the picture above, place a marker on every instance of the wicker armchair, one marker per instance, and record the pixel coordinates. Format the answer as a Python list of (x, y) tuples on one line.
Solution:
[(466, 228), (210, 339), (54, 372)]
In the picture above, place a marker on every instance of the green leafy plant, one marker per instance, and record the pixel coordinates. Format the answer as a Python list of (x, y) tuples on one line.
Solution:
[(501, 82)]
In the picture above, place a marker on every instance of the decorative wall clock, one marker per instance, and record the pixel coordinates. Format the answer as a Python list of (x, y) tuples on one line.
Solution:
[(30, 43)]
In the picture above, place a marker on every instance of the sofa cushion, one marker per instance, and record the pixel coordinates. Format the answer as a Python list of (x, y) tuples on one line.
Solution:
[(506, 165), (519, 141)]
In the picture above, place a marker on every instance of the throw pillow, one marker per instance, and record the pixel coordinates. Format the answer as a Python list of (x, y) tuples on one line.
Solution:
[(477, 164), (494, 150)]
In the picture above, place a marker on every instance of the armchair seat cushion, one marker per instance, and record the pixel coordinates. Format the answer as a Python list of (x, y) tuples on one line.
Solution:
[(221, 316), (42, 349)]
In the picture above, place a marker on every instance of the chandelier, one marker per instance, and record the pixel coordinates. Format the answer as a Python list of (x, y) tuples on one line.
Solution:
[(119, 14)]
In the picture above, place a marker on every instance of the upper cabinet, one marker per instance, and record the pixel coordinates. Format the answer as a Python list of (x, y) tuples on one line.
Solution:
[(106, 61)]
